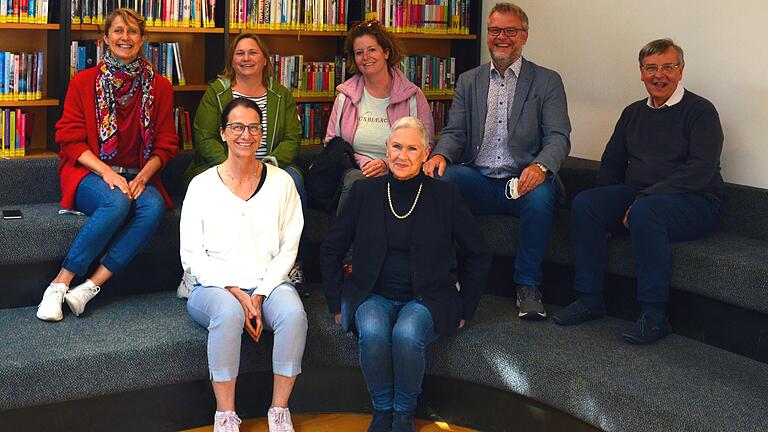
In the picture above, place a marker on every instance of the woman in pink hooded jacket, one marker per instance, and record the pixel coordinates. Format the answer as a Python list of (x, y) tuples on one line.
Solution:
[(373, 99)]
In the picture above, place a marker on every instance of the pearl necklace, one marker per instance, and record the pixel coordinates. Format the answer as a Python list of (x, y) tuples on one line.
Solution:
[(392, 208)]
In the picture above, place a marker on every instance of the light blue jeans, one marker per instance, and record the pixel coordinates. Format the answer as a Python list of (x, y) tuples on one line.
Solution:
[(114, 218), (219, 311), (393, 349)]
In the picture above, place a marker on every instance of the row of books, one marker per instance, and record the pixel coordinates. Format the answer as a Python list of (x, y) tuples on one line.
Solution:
[(157, 13), (439, 114), (21, 76), (15, 132), (166, 59), (420, 16), (164, 56), (308, 78), (435, 75), (183, 121), (314, 121), (24, 11), (318, 15)]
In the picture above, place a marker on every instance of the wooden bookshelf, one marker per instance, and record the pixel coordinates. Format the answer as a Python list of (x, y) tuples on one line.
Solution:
[(190, 88), (152, 29), (436, 36), (40, 153), (45, 102), (25, 26), (297, 33), (203, 51)]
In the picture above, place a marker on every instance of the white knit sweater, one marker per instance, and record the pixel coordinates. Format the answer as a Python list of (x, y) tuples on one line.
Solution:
[(226, 241)]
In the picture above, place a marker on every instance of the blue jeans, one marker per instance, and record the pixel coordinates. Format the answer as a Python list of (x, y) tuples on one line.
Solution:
[(486, 195), (116, 224), (298, 181), (219, 311), (654, 222), (393, 339)]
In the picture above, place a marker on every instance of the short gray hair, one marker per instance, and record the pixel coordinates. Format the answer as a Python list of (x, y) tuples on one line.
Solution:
[(660, 46), (505, 7), (411, 123)]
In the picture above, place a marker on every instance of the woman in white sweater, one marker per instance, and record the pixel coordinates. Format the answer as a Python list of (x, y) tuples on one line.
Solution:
[(240, 229)]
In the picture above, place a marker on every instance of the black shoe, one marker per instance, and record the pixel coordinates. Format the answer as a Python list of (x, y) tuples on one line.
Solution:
[(529, 303), (381, 421), (647, 330), (577, 313), (403, 422)]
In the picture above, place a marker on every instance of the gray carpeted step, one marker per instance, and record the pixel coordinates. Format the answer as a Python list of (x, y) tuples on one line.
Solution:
[(588, 371)]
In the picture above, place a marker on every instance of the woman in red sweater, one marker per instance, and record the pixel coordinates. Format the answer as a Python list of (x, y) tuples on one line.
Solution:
[(115, 135)]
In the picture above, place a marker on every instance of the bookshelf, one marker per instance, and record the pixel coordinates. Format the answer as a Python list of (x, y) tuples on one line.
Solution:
[(28, 38), (203, 51)]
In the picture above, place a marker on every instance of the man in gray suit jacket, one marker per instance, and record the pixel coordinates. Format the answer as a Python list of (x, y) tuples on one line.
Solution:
[(508, 126)]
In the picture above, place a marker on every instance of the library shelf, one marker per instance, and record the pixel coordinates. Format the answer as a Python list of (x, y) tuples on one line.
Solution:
[(39, 153), (297, 33), (446, 97), (152, 29), (27, 26), (45, 102), (314, 99), (435, 36), (190, 88)]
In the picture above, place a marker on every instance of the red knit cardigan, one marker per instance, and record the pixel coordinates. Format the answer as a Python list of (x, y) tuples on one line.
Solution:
[(77, 131)]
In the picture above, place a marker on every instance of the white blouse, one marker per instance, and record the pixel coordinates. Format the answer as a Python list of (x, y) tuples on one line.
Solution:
[(228, 241)]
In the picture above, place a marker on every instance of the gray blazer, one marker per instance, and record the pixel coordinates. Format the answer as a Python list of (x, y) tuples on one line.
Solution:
[(539, 128)]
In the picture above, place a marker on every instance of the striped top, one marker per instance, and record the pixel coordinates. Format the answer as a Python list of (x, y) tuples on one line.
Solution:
[(261, 101)]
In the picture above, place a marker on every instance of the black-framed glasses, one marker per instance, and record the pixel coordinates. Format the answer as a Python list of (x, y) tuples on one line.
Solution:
[(667, 68), (239, 128), (509, 31)]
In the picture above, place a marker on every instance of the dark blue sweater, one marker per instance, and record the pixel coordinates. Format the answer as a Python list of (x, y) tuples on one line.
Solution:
[(671, 150)]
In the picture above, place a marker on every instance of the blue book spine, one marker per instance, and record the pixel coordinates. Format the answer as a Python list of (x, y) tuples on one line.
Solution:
[(2, 75), (80, 58)]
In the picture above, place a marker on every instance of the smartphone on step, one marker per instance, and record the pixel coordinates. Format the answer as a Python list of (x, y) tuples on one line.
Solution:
[(12, 214)]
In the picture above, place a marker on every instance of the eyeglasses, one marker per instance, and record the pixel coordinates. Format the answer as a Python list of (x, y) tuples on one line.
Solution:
[(667, 68), (509, 31), (239, 128)]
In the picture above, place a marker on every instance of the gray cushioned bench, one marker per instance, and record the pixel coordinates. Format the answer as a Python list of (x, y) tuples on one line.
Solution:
[(678, 384)]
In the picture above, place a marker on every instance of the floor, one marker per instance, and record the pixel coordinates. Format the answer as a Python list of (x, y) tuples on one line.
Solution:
[(333, 423)]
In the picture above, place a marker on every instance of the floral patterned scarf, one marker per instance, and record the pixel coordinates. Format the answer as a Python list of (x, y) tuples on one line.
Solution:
[(117, 83)]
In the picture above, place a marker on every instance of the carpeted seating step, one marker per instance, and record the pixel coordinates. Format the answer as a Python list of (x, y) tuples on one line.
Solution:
[(146, 341)]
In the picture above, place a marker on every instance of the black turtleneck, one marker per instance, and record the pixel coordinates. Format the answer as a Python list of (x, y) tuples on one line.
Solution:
[(395, 280)]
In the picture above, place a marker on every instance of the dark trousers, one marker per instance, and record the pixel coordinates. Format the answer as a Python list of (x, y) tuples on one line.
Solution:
[(654, 222)]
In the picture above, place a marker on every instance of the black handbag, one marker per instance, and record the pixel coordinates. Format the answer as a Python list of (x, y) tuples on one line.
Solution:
[(323, 179)]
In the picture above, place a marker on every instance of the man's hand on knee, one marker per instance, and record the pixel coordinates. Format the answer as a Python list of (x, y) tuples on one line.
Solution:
[(435, 162), (530, 179)]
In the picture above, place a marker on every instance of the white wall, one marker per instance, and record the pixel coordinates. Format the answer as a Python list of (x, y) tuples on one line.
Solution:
[(593, 44)]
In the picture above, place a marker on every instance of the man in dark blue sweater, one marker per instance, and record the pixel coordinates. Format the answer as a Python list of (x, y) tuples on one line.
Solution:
[(659, 182)]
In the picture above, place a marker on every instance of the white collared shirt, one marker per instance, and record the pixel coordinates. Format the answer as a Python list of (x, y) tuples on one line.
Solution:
[(676, 97)]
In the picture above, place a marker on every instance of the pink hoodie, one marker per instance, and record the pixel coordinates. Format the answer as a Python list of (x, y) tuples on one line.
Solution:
[(399, 106)]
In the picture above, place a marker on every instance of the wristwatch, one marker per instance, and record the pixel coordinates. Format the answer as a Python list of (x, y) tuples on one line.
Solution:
[(542, 167)]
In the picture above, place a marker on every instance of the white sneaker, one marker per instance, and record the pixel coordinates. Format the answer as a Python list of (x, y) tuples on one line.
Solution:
[(279, 420), (78, 296), (50, 307), (228, 421)]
